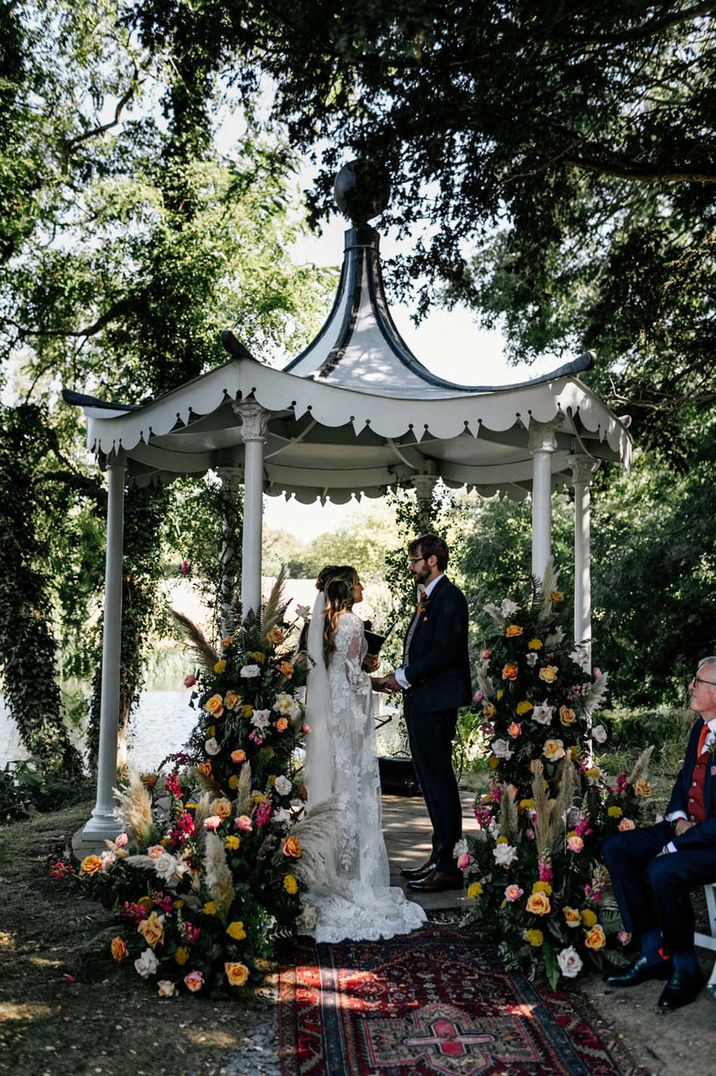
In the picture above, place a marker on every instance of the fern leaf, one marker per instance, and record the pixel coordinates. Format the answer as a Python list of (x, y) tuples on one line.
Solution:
[(197, 641)]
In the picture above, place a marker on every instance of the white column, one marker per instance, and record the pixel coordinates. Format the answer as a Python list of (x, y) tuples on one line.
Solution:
[(583, 467), (230, 483), (542, 444), (102, 823), (254, 421)]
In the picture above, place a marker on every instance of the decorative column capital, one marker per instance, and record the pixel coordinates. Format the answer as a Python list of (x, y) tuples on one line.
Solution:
[(254, 420), (582, 468), (542, 435), (116, 460), (424, 485)]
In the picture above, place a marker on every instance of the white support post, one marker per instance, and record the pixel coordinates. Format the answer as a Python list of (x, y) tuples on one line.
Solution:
[(231, 478), (583, 467), (102, 823), (254, 421), (542, 444)]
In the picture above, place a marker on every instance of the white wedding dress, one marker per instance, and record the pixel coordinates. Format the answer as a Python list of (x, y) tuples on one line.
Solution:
[(355, 901)]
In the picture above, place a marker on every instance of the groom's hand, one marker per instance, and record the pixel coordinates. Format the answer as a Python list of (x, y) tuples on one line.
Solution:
[(390, 683)]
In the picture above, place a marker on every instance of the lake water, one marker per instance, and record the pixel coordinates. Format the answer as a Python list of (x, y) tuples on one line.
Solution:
[(161, 725)]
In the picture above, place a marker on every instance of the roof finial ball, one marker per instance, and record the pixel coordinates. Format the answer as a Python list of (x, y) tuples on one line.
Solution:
[(362, 192)]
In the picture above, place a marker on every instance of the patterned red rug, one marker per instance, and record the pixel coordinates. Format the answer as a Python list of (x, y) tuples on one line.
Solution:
[(436, 1002)]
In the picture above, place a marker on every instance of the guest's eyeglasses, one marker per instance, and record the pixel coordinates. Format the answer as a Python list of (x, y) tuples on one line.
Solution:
[(415, 560), (700, 680)]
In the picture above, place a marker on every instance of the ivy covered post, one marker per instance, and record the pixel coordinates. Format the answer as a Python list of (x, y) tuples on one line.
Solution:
[(102, 823), (254, 421), (583, 467), (542, 444)]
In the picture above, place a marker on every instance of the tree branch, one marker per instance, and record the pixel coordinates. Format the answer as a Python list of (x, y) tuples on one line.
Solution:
[(640, 173), (72, 143)]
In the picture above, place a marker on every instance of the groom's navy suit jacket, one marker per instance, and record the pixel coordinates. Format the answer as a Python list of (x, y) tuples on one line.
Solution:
[(437, 664), (703, 834)]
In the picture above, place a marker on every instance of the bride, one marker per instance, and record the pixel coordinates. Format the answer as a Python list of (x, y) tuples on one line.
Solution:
[(354, 900)]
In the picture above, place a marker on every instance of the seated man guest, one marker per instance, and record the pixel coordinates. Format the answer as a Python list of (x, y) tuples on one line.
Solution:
[(653, 869)]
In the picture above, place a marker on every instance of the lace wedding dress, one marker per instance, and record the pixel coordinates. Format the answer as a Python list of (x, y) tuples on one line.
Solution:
[(355, 901)]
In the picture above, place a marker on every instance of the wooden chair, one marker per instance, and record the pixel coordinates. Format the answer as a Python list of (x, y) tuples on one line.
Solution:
[(708, 941)]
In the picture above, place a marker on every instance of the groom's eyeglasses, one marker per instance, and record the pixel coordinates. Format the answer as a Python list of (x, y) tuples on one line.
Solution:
[(415, 560)]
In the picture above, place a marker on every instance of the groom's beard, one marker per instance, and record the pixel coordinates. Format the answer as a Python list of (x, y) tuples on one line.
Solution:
[(421, 576)]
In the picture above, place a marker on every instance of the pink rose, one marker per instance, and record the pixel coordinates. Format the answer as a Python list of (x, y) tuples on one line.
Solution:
[(122, 841), (514, 730), (625, 824), (464, 861), (189, 680), (486, 654), (479, 696), (194, 981), (513, 893), (213, 822), (575, 844), (244, 823), (305, 727)]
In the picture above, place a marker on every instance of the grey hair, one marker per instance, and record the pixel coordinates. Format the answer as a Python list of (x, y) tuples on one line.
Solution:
[(706, 661)]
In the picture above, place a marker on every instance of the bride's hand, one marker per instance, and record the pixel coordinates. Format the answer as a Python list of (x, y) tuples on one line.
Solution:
[(371, 662)]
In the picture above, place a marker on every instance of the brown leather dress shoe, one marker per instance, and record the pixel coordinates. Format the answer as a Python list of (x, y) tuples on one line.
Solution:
[(418, 872), (436, 882)]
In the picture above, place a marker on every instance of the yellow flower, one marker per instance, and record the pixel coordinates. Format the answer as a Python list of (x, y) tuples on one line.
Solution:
[(275, 635), (593, 772), (211, 730), (523, 707), (488, 710), (513, 630), (534, 644), (571, 917), (567, 716), (258, 797), (258, 656), (574, 753), (643, 789), (502, 840), (247, 710), (210, 908), (215, 705), (538, 904), (615, 812), (90, 865), (178, 903), (510, 671), (236, 930), (596, 938), (290, 884), (493, 762), (549, 674), (556, 596), (118, 948), (542, 887), (182, 955), (152, 930), (534, 937), (526, 805), (474, 890), (146, 903), (231, 700), (236, 974), (233, 781), (499, 693), (588, 917), (232, 842), (220, 666)]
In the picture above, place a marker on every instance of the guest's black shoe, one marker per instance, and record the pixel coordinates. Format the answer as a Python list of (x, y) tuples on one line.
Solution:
[(639, 971), (682, 988), (436, 882), (418, 872)]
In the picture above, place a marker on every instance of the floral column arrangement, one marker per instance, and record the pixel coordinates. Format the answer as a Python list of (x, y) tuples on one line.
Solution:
[(533, 871)]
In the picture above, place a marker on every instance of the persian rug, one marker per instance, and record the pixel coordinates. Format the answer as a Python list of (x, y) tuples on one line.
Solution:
[(437, 1001)]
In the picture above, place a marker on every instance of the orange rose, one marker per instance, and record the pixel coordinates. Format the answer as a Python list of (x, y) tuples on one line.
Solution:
[(237, 757), (571, 917), (236, 974), (292, 847), (222, 807), (488, 710), (549, 674), (510, 671), (596, 938), (152, 930), (556, 596), (215, 705), (567, 716), (538, 904), (643, 789), (204, 768), (231, 700), (626, 824), (226, 643), (513, 630), (285, 668), (90, 865), (281, 725), (118, 948), (275, 635)]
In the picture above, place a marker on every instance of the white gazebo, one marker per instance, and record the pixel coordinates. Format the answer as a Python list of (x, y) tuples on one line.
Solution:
[(353, 414)]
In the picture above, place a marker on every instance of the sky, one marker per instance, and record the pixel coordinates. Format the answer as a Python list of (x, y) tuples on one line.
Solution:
[(447, 342)]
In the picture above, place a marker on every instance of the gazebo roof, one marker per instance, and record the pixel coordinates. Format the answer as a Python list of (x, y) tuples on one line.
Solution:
[(356, 412)]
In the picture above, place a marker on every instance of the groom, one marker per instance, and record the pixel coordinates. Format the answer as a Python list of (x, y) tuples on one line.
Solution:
[(435, 679)]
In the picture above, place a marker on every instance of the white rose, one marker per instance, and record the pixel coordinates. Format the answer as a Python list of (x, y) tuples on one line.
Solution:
[(108, 858), (508, 607), (280, 816), (248, 672), (542, 714), (303, 611), (307, 917), (283, 786), (570, 962), (299, 695), (167, 989), (166, 866), (599, 733), (260, 718), (532, 657), (504, 854), (212, 746), (284, 703), (460, 848), (146, 964), (501, 749)]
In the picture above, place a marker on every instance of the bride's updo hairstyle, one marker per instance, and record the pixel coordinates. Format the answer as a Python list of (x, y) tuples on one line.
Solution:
[(338, 589)]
